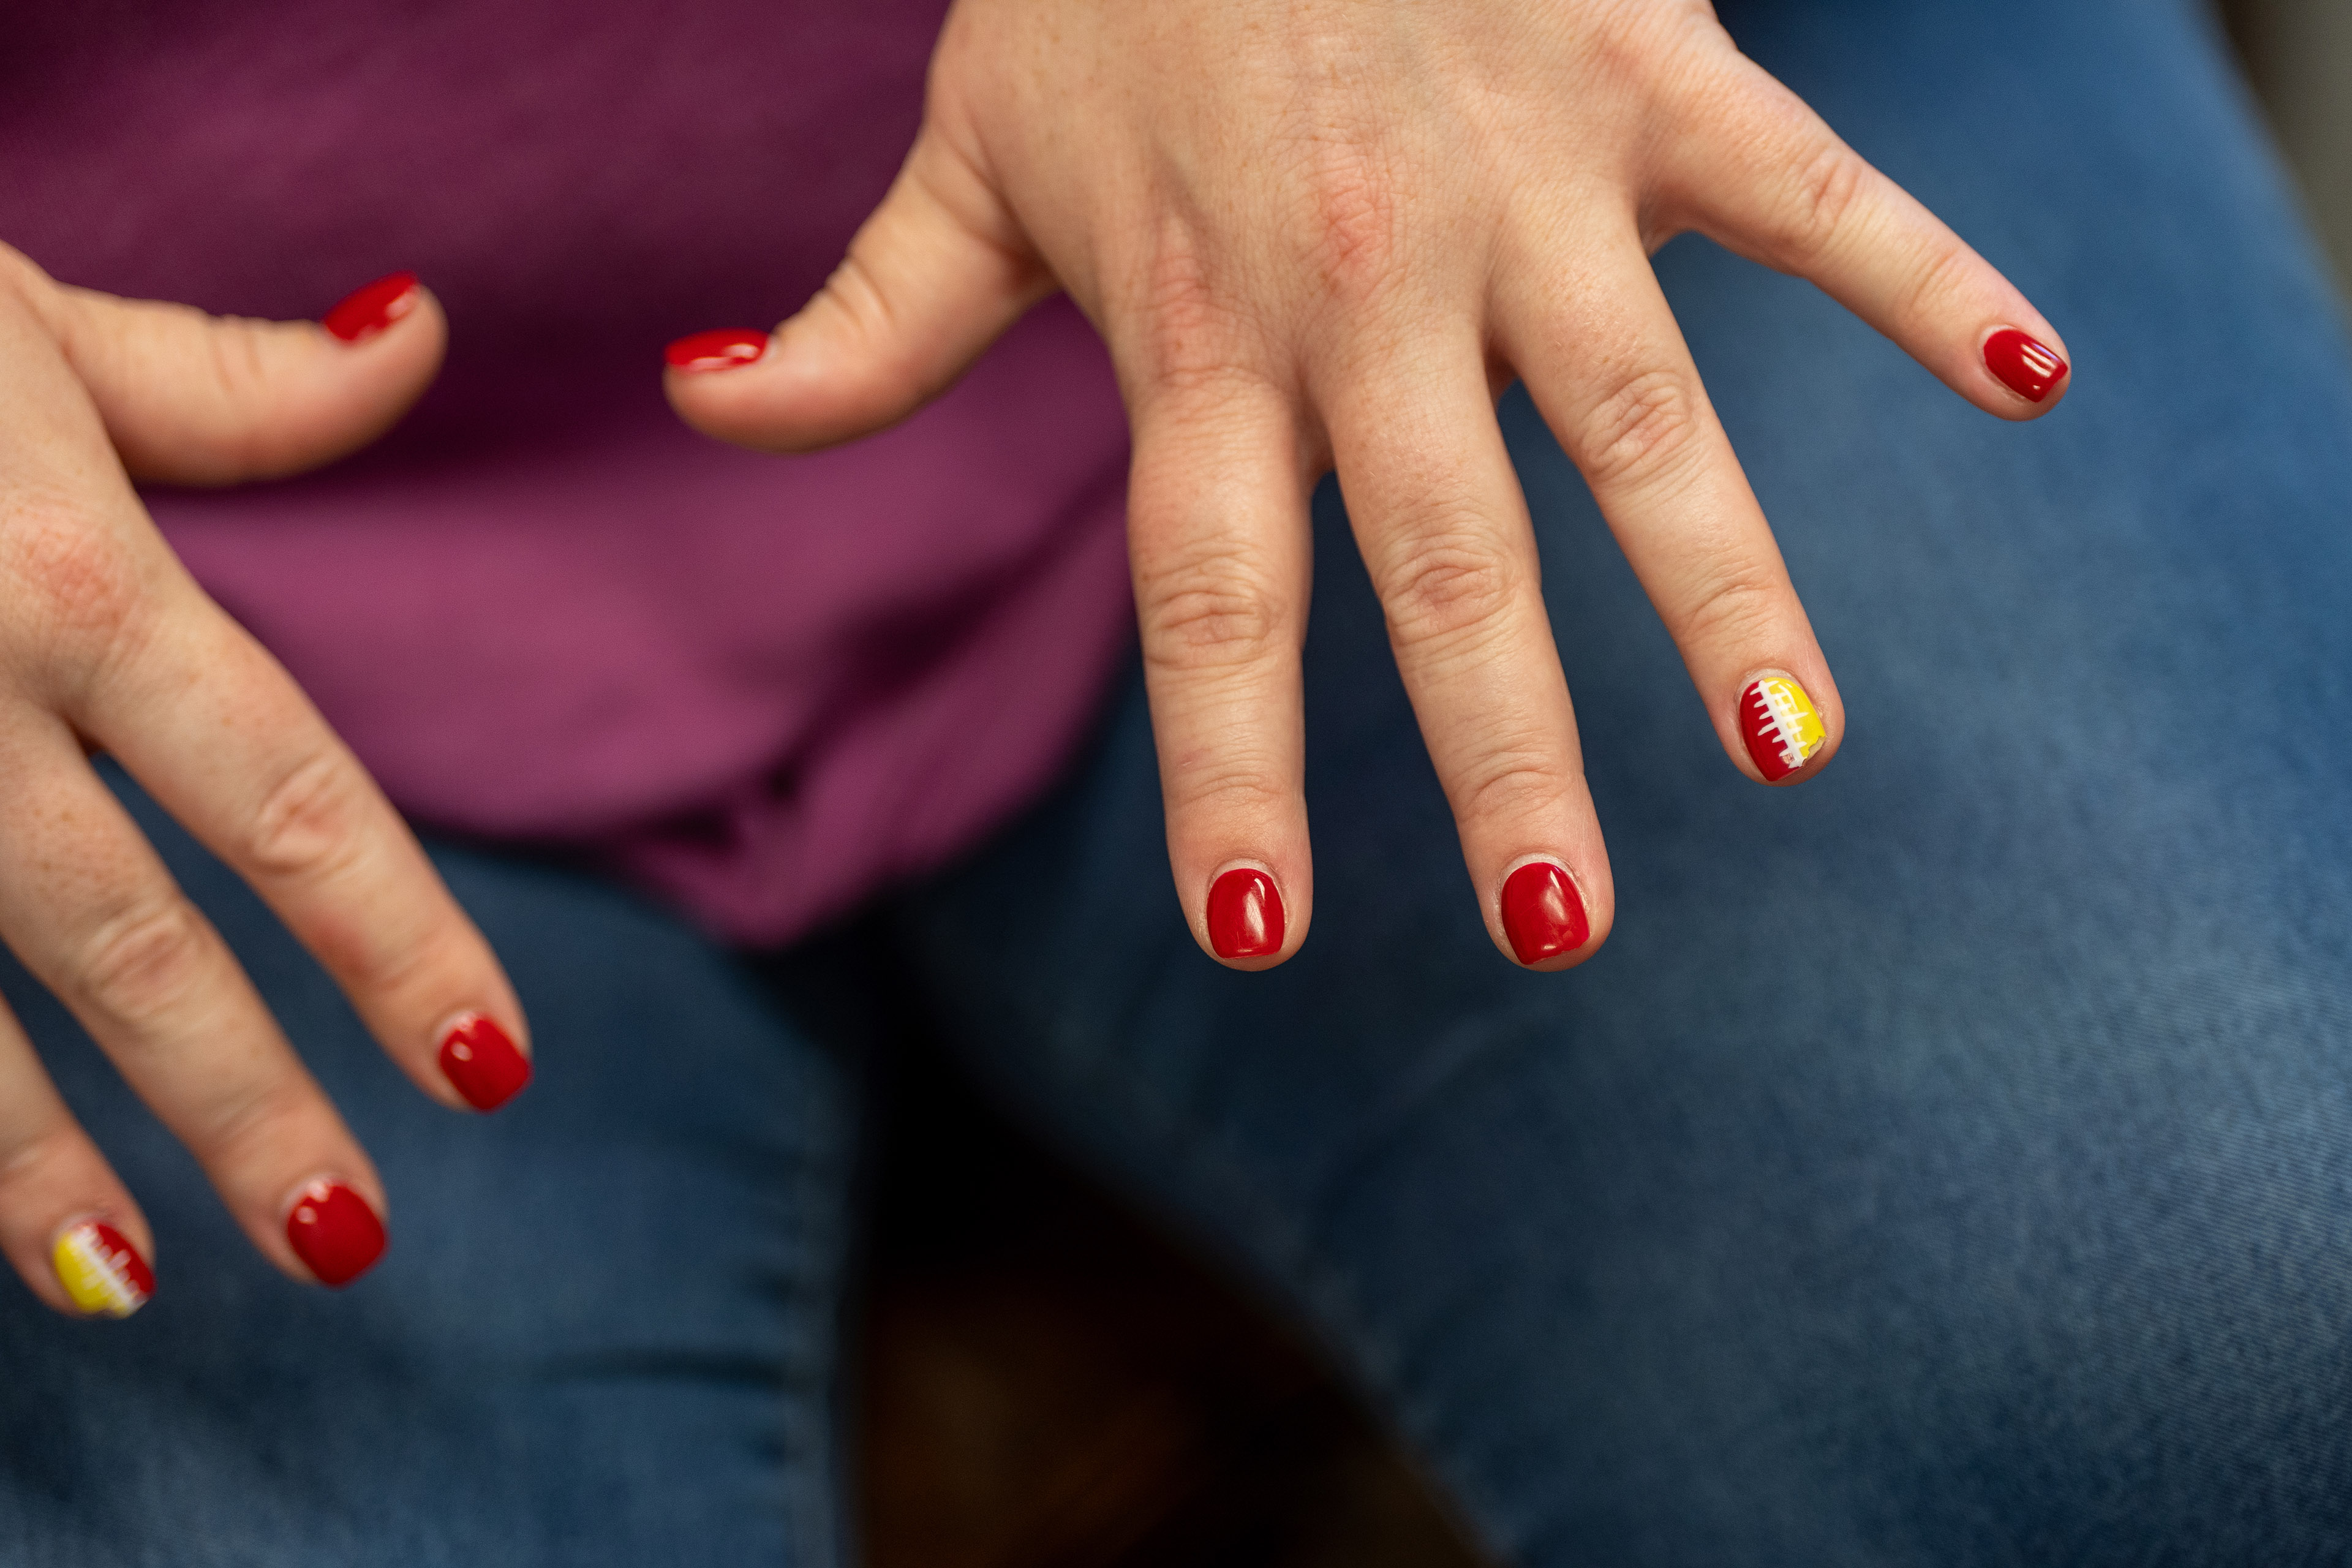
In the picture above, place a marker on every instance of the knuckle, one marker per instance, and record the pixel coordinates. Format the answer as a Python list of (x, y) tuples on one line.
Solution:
[(1739, 606), (1353, 237), (309, 824), (142, 963), (1449, 581), (1943, 277), (1519, 784), (1230, 789), (69, 573), (1211, 613), (1192, 344), (1639, 428), (1821, 199)]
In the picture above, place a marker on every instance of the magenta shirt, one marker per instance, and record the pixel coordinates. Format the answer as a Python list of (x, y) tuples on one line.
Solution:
[(541, 610)]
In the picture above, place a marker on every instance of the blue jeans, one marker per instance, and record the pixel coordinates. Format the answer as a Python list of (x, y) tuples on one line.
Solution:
[(1948, 1161)]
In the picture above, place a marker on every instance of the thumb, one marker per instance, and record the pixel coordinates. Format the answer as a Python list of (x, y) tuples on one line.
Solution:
[(193, 399), (936, 273)]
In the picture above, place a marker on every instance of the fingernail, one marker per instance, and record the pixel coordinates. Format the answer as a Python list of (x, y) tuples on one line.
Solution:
[(1782, 728), (334, 1233), (366, 312), (100, 1271), (2023, 365), (1543, 914), (1245, 914), (482, 1063), (723, 348)]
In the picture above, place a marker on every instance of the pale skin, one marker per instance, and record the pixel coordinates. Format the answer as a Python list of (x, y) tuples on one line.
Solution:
[(1315, 234)]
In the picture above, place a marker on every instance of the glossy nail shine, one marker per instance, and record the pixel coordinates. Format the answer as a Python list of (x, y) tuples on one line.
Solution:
[(334, 1231), (1543, 914), (482, 1063), (1245, 914), (365, 311), (722, 348), (2023, 364), (102, 1270)]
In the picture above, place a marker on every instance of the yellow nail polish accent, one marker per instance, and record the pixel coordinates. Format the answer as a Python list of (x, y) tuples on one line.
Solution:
[(101, 1271), (1782, 728)]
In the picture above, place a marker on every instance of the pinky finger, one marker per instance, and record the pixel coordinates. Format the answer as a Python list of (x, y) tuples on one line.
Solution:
[(67, 1222)]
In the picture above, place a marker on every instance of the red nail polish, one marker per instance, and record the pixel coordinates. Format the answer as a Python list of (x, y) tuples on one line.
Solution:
[(1245, 914), (1543, 914), (723, 348), (478, 1058), (366, 312), (334, 1231), (2023, 365)]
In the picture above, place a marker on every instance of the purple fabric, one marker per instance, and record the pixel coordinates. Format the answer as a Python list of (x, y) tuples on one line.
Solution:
[(542, 609)]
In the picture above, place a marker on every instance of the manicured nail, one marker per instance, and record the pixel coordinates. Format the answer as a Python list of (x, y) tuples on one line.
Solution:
[(1245, 914), (723, 348), (334, 1231), (366, 312), (2023, 365), (1782, 728), (478, 1058), (1543, 914), (101, 1271)]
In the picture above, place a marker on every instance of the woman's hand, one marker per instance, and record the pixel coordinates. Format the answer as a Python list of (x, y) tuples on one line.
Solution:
[(107, 644), (1317, 233)]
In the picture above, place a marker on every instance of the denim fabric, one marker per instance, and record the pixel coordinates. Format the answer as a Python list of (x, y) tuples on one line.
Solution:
[(1947, 1162), (603, 1333)]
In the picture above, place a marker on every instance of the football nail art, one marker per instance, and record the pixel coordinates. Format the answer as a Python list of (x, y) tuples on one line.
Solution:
[(1782, 728), (100, 1271)]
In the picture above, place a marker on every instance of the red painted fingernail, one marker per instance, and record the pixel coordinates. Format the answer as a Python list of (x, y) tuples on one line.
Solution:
[(1782, 728), (1245, 914), (366, 312), (334, 1231), (478, 1058), (102, 1270), (1543, 914), (723, 348), (2023, 365)]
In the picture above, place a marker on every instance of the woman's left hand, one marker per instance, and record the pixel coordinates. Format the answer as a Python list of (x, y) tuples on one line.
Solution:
[(1320, 234)]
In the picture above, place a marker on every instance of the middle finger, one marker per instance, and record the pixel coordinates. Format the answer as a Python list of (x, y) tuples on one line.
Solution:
[(1443, 530)]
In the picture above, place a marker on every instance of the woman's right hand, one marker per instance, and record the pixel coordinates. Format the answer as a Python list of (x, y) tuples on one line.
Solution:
[(107, 644)]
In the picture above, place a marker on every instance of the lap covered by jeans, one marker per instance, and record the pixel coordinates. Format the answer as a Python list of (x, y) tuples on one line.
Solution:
[(604, 1332), (1948, 1161)]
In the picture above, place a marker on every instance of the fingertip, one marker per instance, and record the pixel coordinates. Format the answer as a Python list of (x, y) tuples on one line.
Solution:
[(334, 1231), (481, 1061)]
